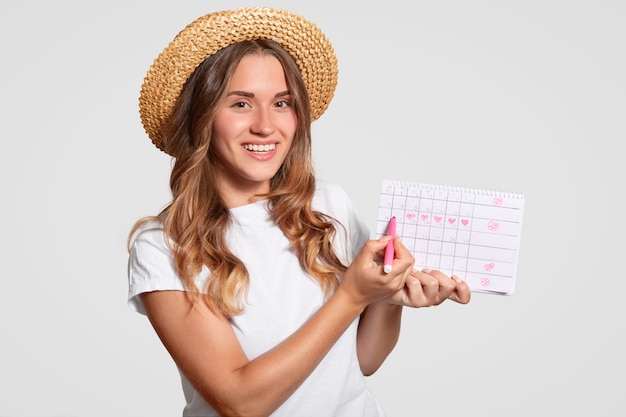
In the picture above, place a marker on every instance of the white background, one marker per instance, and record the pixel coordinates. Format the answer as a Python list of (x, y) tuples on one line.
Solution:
[(523, 96)]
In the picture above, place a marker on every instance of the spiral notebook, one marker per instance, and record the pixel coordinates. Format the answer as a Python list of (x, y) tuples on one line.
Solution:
[(473, 233)]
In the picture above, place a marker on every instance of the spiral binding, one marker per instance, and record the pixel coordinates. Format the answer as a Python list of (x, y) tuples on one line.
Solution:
[(457, 188)]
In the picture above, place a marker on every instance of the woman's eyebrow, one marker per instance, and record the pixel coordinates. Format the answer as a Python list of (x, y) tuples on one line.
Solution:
[(240, 93), (251, 95)]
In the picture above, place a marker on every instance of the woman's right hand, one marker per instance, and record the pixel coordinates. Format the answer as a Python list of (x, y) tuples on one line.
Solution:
[(365, 281)]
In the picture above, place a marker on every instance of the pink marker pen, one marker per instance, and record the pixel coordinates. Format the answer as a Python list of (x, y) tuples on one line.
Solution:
[(389, 251)]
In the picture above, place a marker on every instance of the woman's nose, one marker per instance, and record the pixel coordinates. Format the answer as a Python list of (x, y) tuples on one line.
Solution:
[(262, 124)]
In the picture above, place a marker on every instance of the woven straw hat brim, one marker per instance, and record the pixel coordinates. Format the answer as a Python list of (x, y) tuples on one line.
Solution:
[(306, 43)]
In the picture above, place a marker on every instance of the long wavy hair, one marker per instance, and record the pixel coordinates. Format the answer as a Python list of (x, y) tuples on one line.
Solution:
[(196, 220)]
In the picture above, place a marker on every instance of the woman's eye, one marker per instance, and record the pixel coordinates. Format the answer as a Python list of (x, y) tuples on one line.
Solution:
[(240, 105), (283, 104)]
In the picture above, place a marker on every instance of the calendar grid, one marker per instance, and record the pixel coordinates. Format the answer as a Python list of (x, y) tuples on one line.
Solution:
[(471, 233)]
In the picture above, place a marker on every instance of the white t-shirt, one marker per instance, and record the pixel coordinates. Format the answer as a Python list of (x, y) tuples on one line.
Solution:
[(281, 298)]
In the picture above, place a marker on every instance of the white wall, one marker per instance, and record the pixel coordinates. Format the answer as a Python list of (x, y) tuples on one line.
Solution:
[(523, 96)]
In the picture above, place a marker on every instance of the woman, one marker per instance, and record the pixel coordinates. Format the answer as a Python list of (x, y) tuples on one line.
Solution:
[(260, 280)]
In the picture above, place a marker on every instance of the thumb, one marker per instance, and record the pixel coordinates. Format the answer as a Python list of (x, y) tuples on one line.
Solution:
[(374, 248), (382, 242)]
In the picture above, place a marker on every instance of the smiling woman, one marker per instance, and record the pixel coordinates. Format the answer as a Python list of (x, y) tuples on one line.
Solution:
[(253, 130), (260, 280)]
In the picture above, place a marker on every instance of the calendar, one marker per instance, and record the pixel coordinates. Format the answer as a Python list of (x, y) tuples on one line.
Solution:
[(473, 233)]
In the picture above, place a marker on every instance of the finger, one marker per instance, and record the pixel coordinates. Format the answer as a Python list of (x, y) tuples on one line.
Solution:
[(371, 249), (415, 296), (446, 284), (378, 245), (462, 293), (403, 259), (430, 287), (397, 277)]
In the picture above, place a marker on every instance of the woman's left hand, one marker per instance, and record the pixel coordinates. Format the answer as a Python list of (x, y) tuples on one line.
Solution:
[(428, 287)]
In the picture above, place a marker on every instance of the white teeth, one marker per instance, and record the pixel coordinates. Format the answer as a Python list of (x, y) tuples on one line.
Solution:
[(259, 148)]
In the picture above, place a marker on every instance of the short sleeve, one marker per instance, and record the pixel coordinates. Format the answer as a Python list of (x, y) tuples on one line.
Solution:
[(333, 200), (150, 266)]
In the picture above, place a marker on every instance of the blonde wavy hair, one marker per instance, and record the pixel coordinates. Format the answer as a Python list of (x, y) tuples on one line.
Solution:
[(196, 220)]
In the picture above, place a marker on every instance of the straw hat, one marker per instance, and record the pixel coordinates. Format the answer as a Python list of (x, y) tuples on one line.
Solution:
[(208, 34)]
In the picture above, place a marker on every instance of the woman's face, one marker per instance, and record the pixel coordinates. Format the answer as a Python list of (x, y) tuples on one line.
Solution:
[(253, 129)]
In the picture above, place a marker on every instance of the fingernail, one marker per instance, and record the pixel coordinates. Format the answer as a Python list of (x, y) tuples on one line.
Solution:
[(427, 270)]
